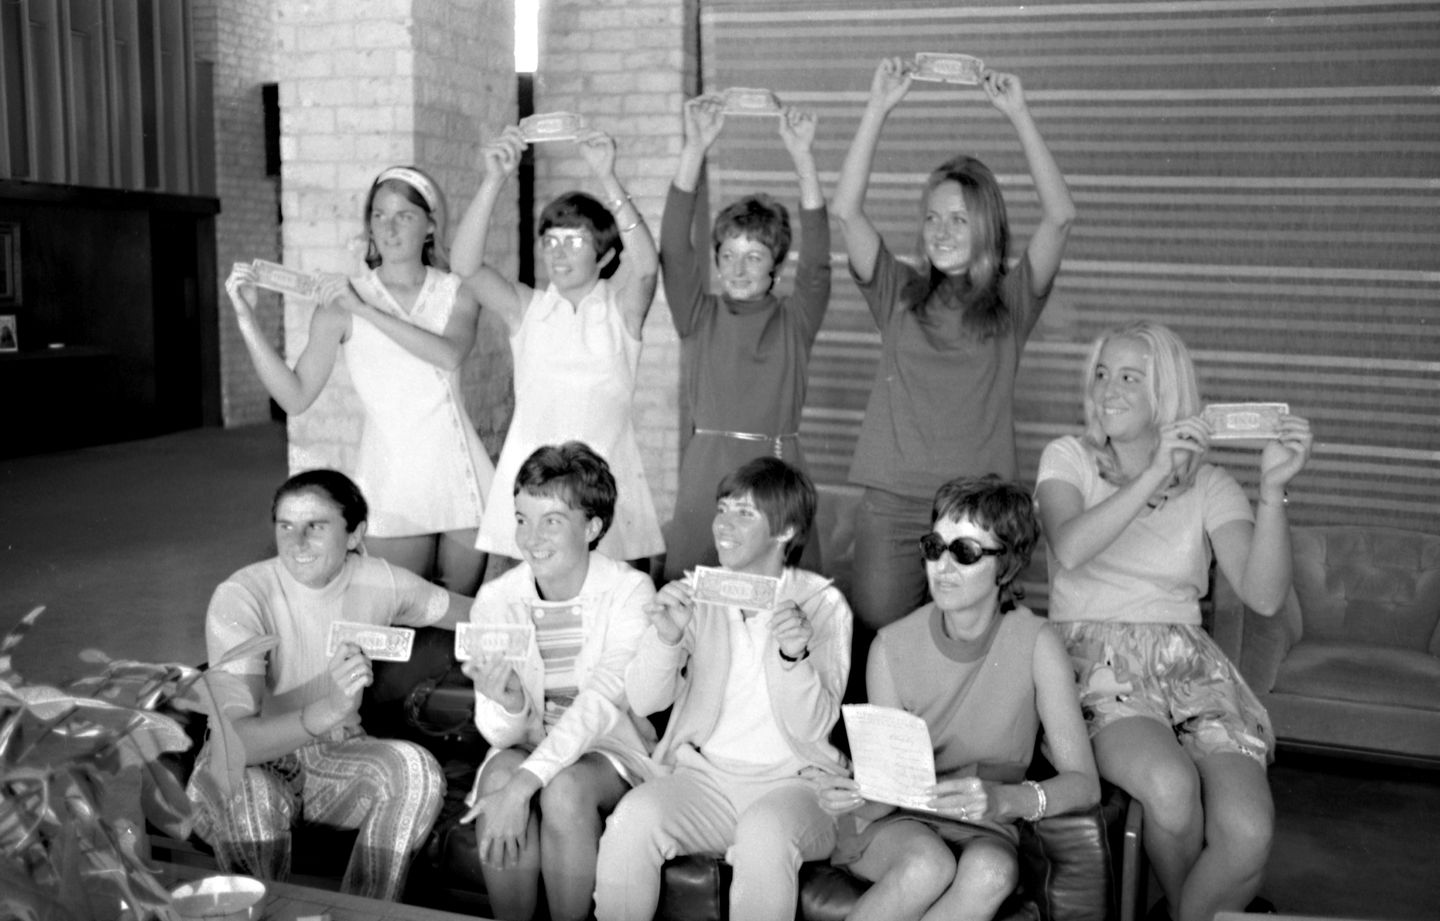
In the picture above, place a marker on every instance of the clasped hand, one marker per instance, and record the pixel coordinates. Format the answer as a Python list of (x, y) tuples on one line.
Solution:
[(495, 678)]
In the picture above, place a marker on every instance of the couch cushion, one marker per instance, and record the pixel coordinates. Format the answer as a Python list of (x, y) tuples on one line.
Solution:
[(1369, 585), (1362, 673)]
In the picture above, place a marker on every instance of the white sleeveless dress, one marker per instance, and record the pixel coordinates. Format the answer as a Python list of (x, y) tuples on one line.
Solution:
[(575, 381), (420, 465)]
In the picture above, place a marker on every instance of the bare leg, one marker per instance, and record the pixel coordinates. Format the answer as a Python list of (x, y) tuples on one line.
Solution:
[(911, 868), (458, 565), (986, 874), (514, 891), (573, 807), (1239, 823), (416, 553), (1142, 756)]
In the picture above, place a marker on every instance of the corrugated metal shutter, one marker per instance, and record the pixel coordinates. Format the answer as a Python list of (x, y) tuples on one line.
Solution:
[(1262, 176)]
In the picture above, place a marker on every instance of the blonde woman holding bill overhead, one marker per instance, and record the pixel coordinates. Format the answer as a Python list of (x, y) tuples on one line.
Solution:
[(951, 334), (406, 326)]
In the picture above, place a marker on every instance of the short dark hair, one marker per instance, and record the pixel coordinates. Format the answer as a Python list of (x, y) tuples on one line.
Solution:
[(1005, 509), (759, 217), (335, 486), (579, 211), (782, 491), (574, 474)]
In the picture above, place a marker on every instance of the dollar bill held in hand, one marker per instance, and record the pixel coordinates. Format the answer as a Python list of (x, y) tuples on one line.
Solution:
[(744, 100), (510, 642), (1244, 421), (735, 589), (551, 126), (385, 644), (940, 67), (276, 277)]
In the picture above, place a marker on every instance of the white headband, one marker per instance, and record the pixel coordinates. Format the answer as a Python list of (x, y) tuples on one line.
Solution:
[(416, 180)]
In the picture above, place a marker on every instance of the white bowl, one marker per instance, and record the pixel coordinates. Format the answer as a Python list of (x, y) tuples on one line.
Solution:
[(219, 898)]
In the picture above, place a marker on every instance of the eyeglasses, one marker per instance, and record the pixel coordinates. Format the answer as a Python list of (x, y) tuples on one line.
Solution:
[(574, 241), (966, 551)]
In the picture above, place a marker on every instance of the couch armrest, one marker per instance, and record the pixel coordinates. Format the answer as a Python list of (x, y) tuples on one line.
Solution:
[(1257, 645)]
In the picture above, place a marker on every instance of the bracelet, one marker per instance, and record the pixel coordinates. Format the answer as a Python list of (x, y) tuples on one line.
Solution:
[(308, 731), (1039, 812), (804, 654), (617, 203), (1284, 500), (629, 227)]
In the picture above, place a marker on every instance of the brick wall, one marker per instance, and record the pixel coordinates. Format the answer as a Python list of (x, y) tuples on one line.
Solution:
[(238, 38), (624, 66), (366, 84)]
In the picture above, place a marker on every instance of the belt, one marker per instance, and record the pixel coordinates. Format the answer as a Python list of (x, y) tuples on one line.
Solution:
[(775, 440)]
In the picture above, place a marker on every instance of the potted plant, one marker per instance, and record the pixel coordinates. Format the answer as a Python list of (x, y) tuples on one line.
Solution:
[(82, 767)]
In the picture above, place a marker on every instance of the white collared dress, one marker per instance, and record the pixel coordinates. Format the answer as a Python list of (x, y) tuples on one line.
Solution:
[(575, 374)]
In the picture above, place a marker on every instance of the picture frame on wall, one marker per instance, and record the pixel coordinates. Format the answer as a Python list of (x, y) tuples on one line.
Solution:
[(9, 263), (9, 339)]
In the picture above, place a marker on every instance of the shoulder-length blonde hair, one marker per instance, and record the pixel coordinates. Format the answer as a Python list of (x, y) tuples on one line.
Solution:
[(1174, 394)]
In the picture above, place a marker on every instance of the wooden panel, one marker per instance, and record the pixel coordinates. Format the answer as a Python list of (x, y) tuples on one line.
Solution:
[(1259, 176)]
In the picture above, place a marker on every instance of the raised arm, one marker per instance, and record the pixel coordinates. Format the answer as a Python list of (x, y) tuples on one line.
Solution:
[(639, 268), (293, 389), (1257, 559), (446, 351), (704, 117), (862, 240), (686, 265), (1076, 534), (797, 133), (1057, 210), (467, 254)]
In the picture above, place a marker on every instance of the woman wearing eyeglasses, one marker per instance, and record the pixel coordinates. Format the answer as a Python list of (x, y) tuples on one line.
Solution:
[(1132, 516), (985, 674), (576, 343)]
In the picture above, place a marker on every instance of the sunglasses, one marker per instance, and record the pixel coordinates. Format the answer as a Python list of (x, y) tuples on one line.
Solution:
[(965, 550), (574, 242)]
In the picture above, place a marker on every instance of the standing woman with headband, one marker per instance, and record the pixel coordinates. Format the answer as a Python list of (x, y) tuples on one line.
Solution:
[(407, 325)]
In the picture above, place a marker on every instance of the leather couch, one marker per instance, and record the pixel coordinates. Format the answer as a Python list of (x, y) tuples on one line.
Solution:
[(1070, 865), (1351, 664)]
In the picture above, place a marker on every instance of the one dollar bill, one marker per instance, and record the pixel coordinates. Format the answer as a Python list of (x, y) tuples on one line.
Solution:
[(510, 642), (385, 644), (940, 67), (735, 589), (1244, 421), (276, 277), (551, 126)]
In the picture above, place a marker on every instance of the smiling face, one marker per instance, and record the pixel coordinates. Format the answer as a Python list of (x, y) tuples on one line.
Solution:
[(398, 226), (743, 539), (1120, 390), (946, 230), (747, 267), (311, 539), (570, 258), (956, 588), (555, 540)]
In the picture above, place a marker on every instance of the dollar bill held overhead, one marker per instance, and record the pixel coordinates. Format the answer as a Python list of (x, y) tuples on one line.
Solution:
[(744, 100), (1244, 421), (510, 642), (551, 126), (276, 277), (941, 67), (385, 644), (735, 589)]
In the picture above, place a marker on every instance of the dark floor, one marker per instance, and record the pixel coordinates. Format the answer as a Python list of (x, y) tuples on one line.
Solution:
[(124, 543)]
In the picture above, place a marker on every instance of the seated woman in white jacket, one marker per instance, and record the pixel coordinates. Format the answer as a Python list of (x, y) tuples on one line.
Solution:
[(557, 720)]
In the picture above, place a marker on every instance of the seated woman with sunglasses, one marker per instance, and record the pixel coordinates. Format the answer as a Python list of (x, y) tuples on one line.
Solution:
[(576, 343), (984, 673)]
